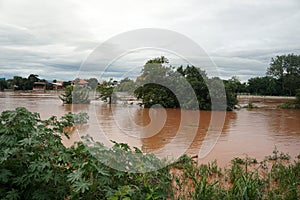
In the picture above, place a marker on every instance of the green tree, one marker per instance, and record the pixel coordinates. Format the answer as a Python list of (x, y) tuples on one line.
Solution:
[(66, 83), (3, 85), (75, 94), (198, 80), (184, 88), (106, 90), (92, 83), (155, 76), (126, 85), (263, 86), (286, 69), (33, 78), (235, 85)]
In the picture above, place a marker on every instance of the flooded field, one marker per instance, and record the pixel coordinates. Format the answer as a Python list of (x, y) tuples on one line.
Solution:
[(168, 132)]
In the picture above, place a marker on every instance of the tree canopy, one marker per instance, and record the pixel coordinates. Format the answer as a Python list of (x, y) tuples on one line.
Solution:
[(184, 87), (286, 70), (106, 90)]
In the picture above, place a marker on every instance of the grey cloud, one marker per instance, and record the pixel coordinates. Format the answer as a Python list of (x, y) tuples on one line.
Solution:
[(54, 38)]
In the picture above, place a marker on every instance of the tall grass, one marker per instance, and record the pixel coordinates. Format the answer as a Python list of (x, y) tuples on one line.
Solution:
[(245, 179)]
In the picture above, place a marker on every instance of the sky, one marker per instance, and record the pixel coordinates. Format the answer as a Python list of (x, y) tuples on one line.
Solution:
[(54, 39)]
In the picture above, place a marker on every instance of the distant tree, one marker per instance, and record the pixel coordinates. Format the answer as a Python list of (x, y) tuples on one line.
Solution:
[(29, 83), (126, 85), (49, 86), (75, 94), (286, 70), (3, 85), (198, 80), (185, 88), (77, 80), (19, 83), (235, 85), (158, 60), (106, 90), (92, 83), (153, 80), (10, 84), (66, 83), (33, 78), (263, 86)]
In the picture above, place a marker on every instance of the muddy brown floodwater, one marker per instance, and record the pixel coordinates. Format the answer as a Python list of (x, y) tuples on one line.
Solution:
[(165, 132)]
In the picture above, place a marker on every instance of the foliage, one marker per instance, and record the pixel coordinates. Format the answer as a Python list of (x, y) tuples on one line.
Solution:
[(287, 105), (80, 118), (250, 105), (106, 90), (20, 83), (235, 85), (3, 85), (33, 160), (277, 156), (92, 83), (263, 86), (66, 83), (286, 70), (34, 164), (170, 88), (126, 85), (244, 179), (75, 94)]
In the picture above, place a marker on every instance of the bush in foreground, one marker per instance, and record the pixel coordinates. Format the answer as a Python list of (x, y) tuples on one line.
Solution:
[(34, 164)]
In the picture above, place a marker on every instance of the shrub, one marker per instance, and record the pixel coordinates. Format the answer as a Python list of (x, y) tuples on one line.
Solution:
[(34, 164), (287, 105), (250, 105)]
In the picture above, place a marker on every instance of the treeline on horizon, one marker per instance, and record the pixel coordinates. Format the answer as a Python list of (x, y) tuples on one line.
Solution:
[(21, 83), (282, 79)]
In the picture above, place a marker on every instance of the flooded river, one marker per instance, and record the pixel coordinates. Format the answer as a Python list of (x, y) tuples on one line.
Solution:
[(170, 132)]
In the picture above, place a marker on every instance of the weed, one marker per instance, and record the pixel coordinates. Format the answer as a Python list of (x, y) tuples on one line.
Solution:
[(250, 105)]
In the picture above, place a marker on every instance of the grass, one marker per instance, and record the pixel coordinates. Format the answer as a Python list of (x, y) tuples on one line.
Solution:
[(289, 105), (244, 179), (250, 105)]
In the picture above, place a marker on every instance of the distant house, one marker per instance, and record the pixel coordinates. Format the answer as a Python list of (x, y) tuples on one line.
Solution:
[(58, 85), (80, 82), (39, 86)]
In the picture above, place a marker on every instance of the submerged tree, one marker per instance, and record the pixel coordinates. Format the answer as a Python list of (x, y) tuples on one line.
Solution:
[(75, 94), (185, 88), (106, 90)]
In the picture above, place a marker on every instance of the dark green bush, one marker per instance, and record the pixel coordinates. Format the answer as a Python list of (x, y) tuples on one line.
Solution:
[(34, 164)]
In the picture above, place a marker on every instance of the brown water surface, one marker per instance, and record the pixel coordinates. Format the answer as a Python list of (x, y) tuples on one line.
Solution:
[(169, 132)]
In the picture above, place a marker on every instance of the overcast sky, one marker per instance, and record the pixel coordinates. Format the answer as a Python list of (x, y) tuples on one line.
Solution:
[(53, 38)]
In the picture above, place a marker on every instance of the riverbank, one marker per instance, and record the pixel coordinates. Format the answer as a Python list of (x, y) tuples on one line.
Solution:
[(264, 101)]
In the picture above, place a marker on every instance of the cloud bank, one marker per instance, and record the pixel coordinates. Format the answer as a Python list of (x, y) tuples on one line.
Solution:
[(53, 38)]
